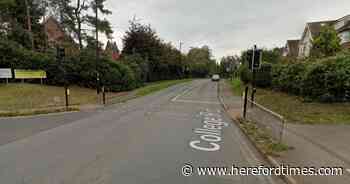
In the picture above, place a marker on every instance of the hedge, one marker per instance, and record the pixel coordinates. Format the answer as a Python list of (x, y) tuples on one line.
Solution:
[(77, 70), (326, 80)]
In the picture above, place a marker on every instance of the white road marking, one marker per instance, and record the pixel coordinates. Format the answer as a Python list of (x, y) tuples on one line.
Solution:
[(181, 94), (197, 102), (348, 170)]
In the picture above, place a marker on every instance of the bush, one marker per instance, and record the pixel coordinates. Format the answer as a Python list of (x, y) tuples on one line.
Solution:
[(80, 71), (263, 77), (245, 74), (326, 80)]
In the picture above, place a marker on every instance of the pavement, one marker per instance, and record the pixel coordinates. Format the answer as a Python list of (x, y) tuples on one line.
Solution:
[(313, 145), (145, 140)]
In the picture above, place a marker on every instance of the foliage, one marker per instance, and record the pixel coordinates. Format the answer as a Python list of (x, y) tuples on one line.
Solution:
[(263, 76), (326, 80), (116, 76), (200, 63), (245, 74), (326, 44), (228, 65)]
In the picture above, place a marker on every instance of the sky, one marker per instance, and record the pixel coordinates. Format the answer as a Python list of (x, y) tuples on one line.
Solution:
[(226, 26)]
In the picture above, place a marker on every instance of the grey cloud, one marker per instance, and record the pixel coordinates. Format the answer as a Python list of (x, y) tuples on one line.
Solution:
[(227, 26)]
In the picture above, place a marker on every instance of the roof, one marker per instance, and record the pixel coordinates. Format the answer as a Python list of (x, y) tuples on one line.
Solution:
[(293, 46), (346, 27), (315, 27)]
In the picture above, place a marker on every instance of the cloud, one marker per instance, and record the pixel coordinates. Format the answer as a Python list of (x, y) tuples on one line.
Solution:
[(226, 26)]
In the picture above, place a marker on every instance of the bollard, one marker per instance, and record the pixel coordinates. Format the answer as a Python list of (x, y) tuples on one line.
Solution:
[(66, 95), (245, 102), (253, 97), (103, 95)]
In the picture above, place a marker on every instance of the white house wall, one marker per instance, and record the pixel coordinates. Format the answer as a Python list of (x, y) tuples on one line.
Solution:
[(305, 44)]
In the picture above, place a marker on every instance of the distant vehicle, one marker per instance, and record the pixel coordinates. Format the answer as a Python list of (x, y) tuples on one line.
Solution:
[(215, 77)]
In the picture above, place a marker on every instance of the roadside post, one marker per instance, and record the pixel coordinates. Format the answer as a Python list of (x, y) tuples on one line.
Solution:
[(256, 58), (245, 102), (67, 93), (103, 95), (60, 57)]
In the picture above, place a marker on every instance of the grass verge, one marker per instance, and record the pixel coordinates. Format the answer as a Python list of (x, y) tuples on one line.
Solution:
[(37, 111), (18, 99), (295, 110), (262, 140)]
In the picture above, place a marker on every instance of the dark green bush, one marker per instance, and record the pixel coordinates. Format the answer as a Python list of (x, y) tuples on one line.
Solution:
[(326, 80), (263, 77), (73, 70), (245, 74)]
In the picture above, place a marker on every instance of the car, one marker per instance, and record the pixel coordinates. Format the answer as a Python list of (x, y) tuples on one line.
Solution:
[(215, 77)]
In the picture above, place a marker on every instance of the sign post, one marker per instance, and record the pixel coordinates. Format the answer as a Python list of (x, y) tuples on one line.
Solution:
[(254, 59), (5, 73)]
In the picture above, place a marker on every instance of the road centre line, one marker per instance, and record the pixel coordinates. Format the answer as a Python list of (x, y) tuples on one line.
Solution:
[(197, 102), (181, 94)]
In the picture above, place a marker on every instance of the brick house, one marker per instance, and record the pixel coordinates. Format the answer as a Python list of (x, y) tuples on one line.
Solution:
[(56, 35), (112, 50)]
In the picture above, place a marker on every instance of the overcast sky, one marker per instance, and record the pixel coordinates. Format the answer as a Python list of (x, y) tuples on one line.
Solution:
[(226, 26)]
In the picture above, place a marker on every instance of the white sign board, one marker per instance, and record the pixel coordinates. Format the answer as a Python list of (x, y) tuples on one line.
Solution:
[(5, 73)]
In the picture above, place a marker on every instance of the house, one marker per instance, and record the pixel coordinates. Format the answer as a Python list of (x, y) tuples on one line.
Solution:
[(112, 50), (56, 36), (313, 29), (291, 49)]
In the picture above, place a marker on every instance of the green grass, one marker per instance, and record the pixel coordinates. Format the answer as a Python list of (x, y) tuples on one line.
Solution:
[(21, 99), (262, 139), (295, 110), (157, 86), (237, 87), (19, 96)]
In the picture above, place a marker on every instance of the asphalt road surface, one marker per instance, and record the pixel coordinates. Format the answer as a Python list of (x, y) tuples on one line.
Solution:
[(146, 140)]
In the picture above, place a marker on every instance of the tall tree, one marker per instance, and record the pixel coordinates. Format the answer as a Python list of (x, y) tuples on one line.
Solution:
[(327, 43)]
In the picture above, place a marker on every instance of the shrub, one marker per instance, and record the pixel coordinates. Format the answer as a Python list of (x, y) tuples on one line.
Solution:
[(245, 74), (326, 80), (263, 77), (73, 70)]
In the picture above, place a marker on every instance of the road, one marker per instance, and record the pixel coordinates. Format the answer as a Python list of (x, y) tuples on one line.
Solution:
[(146, 140)]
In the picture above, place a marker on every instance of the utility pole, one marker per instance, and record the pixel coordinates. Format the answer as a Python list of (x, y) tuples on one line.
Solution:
[(29, 23), (182, 66), (97, 50)]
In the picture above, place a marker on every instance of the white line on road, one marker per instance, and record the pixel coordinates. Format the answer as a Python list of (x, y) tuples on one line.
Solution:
[(181, 94), (197, 102)]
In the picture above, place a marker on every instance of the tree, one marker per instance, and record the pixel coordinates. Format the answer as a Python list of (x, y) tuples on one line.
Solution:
[(20, 21), (200, 62), (228, 65), (78, 16), (327, 43)]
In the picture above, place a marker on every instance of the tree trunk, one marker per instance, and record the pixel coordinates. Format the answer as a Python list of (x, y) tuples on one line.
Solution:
[(29, 22)]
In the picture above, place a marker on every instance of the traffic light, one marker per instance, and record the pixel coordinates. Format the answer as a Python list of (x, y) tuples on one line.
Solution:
[(254, 58), (257, 58), (250, 58)]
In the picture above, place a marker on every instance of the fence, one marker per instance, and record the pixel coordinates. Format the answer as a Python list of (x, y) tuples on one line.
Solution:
[(270, 121)]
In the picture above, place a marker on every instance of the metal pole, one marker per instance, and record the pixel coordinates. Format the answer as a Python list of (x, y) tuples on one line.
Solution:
[(104, 95), (97, 50), (66, 92), (253, 82), (282, 130), (245, 102)]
